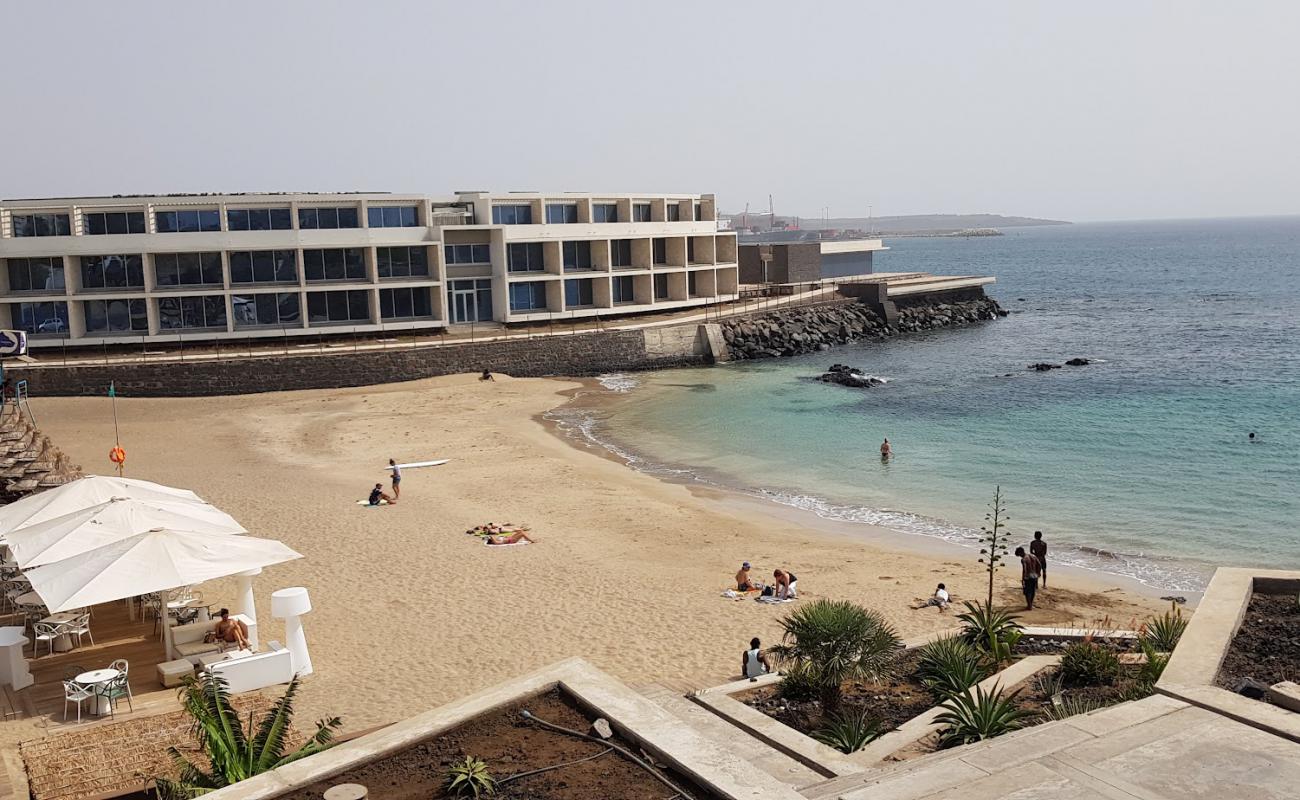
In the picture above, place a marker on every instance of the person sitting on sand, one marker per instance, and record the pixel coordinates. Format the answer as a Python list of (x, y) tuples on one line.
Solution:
[(785, 584), (487, 376), (744, 583), (940, 599), (513, 538), (752, 662), (231, 631), (377, 494)]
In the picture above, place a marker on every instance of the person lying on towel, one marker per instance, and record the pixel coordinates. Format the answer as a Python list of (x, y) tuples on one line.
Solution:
[(514, 538)]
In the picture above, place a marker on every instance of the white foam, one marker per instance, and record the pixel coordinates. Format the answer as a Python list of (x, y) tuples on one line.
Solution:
[(618, 382)]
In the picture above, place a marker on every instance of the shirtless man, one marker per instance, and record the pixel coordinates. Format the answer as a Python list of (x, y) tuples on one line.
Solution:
[(744, 583), (1039, 550), (231, 631), (1030, 569), (886, 450)]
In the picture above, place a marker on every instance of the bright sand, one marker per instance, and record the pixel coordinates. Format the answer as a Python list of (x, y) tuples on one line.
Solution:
[(411, 613)]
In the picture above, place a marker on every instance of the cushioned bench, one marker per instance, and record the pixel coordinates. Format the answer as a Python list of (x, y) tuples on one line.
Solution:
[(174, 673)]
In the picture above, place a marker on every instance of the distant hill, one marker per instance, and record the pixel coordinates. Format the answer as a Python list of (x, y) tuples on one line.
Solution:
[(913, 224)]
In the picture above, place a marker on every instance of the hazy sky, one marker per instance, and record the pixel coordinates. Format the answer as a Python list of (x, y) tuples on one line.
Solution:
[(1098, 110)]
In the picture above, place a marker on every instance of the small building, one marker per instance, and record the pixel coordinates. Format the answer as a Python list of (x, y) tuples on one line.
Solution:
[(806, 261)]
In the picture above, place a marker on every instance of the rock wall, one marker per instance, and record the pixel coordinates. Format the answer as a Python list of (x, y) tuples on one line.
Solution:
[(789, 332)]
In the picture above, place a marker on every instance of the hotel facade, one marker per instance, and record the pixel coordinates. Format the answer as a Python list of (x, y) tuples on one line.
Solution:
[(108, 270)]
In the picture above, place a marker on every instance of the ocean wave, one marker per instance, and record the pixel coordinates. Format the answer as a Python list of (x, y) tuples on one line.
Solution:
[(618, 382)]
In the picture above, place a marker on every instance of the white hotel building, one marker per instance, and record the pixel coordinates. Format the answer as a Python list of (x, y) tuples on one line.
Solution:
[(107, 270)]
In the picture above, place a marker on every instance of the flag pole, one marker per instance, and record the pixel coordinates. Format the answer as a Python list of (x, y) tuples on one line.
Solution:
[(117, 436)]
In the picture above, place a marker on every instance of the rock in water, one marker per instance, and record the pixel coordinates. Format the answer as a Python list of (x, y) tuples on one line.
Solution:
[(1044, 367), (848, 376), (1078, 362)]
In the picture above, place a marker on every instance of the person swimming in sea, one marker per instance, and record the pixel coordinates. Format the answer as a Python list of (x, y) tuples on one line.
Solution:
[(886, 450), (1252, 437)]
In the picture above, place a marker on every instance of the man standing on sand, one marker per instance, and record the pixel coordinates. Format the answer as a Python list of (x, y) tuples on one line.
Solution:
[(1039, 550), (397, 479), (1030, 569)]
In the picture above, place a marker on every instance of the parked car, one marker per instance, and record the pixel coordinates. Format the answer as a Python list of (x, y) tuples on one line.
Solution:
[(52, 325)]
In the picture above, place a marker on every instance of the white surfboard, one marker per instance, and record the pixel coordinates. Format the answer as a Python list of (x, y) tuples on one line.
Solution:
[(423, 464)]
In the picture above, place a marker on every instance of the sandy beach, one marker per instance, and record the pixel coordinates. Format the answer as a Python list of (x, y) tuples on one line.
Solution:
[(410, 612)]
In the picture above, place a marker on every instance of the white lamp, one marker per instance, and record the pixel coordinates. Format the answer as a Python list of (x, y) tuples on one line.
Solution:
[(289, 605)]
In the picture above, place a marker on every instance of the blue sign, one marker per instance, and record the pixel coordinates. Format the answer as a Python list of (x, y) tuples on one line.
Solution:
[(13, 343)]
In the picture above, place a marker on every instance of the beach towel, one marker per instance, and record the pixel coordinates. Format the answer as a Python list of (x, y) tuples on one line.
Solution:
[(367, 504), (773, 600), (486, 543)]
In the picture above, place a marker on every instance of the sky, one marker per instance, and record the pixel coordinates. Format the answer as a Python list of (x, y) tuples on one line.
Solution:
[(1077, 111)]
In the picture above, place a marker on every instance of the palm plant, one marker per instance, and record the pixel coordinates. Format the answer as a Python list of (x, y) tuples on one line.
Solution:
[(848, 730), (974, 716), (950, 665), (235, 752), (829, 642), (470, 778)]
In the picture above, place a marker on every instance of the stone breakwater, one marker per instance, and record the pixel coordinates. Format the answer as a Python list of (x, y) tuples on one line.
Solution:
[(795, 331)]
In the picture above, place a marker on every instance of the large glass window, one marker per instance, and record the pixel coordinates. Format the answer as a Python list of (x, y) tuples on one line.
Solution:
[(468, 253), (42, 225), (577, 255), (334, 264), (349, 306), (112, 272), (101, 223), (278, 309), (578, 292), (561, 213), (264, 266), (43, 274), (674, 212), (50, 319), (659, 247), (528, 296), (512, 215), (187, 269), (115, 316), (259, 219), (640, 212), (661, 287), (392, 217), (620, 252), (524, 257), (327, 218), (402, 262), (405, 303), (188, 221), (604, 212), (194, 311), (624, 289)]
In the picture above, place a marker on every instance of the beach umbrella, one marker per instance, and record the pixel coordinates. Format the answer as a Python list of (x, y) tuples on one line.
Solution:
[(154, 561), (111, 521), (82, 493)]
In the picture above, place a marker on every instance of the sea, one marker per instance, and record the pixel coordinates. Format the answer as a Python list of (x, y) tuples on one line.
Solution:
[(1139, 465)]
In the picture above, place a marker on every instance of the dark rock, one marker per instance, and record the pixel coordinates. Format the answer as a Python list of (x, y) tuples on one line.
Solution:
[(1078, 362), (1175, 598), (1249, 687), (848, 376), (1044, 367)]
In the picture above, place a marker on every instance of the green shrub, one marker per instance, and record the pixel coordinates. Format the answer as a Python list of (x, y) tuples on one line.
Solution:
[(848, 730), (797, 685), (993, 631), (950, 665), (972, 717), (470, 778), (1155, 665), (1164, 631), (833, 641), (1087, 663)]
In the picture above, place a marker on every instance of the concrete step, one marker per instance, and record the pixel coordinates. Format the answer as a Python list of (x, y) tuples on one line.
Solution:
[(742, 745)]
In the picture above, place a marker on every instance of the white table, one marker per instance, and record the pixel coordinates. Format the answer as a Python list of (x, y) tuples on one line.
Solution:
[(97, 680), (29, 599), (62, 643)]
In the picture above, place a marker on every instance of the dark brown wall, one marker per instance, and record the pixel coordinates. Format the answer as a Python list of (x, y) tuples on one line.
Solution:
[(795, 262)]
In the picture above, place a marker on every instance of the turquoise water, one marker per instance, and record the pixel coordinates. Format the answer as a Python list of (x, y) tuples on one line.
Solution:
[(1139, 465)]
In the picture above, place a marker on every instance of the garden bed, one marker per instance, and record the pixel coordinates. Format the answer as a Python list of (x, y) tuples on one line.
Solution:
[(511, 745), (1267, 645)]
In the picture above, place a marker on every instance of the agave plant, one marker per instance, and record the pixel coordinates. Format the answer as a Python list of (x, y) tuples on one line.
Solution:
[(975, 716), (1156, 660), (848, 730), (1087, 663), (234, 752), (470, 778), (1164, 631), (950, 665), (993, 631), (829, 642)]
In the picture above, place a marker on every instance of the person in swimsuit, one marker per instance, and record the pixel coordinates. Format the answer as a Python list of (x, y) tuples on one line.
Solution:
[(886, 449), (785, 588), (744, 583), (514, 538), (1030, 569), (752, 662), (377, 494), (231, 631), (1039, 549), (397, 479)]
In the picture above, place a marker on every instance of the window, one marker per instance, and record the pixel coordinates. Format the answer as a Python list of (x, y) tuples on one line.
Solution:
[(349, 306), (640, 212), (404, 303), (690, 250), (327, 218), (659, 248), (512, 215), (42, 225), (43, 274), (113, 222), (661, 287), (620, 253), (112, 272), (263, 266), (259, 310), (624, 290), (401, 262), (578, 292), (690, 284), (187, 221), (604, 212), (468, 253), (259, 219), (528, 296), (197, 311), (391, 217), (187, 269), (115, 316), (524, 257), (335, 264), (699, 212), (674, 212), (561, 213), (577, 255), (50, 319)]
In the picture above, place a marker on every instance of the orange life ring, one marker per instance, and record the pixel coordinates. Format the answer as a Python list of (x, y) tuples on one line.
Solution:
[(117, 455)]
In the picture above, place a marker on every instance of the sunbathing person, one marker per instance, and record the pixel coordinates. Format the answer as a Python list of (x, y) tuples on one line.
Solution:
[(744, 583), (513, 538), (785, 584), (231, 631)]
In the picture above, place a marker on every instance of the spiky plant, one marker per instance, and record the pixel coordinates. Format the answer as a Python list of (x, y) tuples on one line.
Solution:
[(1156, 660), (833, 641), (950, 665), (993, 544), (848, 730), (992, 631), (977, 715), (1164, 631), (1087, 663), (235, 752), (470, 778), (1063, 707)]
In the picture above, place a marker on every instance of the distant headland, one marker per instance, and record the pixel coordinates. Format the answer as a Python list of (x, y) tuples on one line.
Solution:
[(765, 226)]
